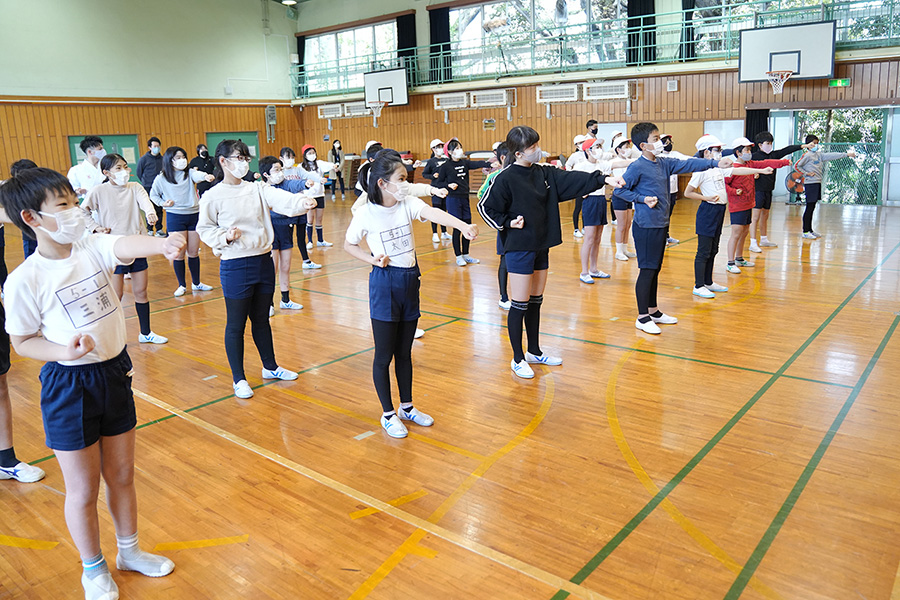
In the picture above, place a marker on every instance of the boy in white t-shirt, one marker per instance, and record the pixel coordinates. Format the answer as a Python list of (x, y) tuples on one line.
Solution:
[(63, 310), (709, 188)]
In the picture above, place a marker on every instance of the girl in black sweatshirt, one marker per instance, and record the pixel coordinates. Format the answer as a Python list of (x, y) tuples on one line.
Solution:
[(430, 172), (453, 176), (521, 202)]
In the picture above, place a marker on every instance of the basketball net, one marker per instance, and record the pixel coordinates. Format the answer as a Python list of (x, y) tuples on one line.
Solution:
[(777, 79), (376, 108)]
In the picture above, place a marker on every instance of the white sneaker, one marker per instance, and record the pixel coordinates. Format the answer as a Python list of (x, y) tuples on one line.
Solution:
[(767, 244), (279, 373), (671, 241), (522, 369), (703, 292), (419, 333), (578, 233), (394, 427), (808, 236), (309, 245), (621, 256), (102, 587), (755, 248), (152, 338), (200, 287), (470, 260), (149, 565), (744, 263), (630, 254), (505, 305), (416, 416), (242, 389), (160, 234), (649, 327), (664, 319), (585, 278), (271, 311), (180, 291), (732, 269), (599, 274), (435, 238), (715, 287), (461, 261), (22, 472), (446, 236), (308, 264), (816, 234), (324, 244), (290, 305), (543, 359)]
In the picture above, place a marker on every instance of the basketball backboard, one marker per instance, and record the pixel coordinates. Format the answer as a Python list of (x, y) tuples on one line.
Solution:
[(807, 50), (387, 86)]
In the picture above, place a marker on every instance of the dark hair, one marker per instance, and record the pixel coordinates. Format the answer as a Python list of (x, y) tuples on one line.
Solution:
[(224, 150), (202, 146), (168, 170), (640, 133), (91, 141), (519, 138), (810, 138), (286, 151), (27, 190), (386, 162), (451, 146), (591, 123), (153, 139), (334, 153), (501, 151), (109, 161), (763, 137), (373, 151), (267, 162), (20, 165)]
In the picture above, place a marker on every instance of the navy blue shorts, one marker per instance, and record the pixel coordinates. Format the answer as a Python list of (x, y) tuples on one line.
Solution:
[(80, 403), (438, 202), (181, 222), (593, 211), (813, 192), (394, 293), (650, 245), (763, 199), (619, 204), (139, 264), (4, 343), (710, 218), (243, 277), (742, 217), (459, 207), (284, 232), (527, 262)]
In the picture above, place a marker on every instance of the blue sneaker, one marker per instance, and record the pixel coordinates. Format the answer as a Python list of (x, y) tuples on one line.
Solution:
[(543, 359), (416, 416), (394, 427), (22, 472), (279, 373), (522, 369)]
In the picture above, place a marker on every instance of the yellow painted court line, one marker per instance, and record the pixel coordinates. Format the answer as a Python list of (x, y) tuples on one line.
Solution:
[(395, 502), (237, 539), (692, 530), (17, 542), (423, 526)]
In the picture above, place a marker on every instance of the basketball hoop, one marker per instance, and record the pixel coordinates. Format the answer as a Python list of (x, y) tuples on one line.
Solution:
[(376, 108), (777, 79)]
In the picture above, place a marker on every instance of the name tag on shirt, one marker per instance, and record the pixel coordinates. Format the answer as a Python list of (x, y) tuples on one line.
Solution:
[(88, 300), (398, 240)]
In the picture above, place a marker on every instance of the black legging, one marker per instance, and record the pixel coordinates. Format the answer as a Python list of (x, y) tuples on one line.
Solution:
[(460, 242), (813, 193), (672, 199), (576, 213), (707, 248), (256, 307), (301, 239), (334, 182), (393, 341), (645, 290), (503, 279)]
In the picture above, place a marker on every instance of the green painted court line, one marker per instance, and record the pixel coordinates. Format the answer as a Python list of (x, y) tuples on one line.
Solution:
[(632, 524), (737, 588)]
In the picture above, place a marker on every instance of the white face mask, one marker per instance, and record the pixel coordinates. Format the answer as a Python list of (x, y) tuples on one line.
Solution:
[(240, 170), (534, 156), (767, 148), (311, 157), (98, 154), (154, 151), (402, 190), (657, 147), (69, 225), (458, 153), (180, 164), (716, 154), (287, 162), (746, 156), (276, 178), (337, 146), (121, 177)]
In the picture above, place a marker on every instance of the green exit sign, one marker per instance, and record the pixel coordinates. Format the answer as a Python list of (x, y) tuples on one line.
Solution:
[(839, 83)]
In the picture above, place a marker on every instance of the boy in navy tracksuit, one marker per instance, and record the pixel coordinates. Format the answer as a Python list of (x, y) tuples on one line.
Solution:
[(647, 187)]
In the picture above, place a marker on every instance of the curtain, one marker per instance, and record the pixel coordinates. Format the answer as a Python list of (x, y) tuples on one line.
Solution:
[(756, 122), (687, 50), (406, 44), (439, 19), (641, 32), (302, 90)]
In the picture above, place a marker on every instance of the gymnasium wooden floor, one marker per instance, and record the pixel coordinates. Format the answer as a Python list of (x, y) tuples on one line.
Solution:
[(749, 451)]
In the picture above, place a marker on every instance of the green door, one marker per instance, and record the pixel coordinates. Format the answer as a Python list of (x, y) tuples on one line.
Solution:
[(251, 138), (126, 145)]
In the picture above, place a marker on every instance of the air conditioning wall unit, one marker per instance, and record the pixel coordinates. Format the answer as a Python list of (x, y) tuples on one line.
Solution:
[(451, 101), (608, 90), (488, 98), (356, 109), (331, 111), (567, 92)]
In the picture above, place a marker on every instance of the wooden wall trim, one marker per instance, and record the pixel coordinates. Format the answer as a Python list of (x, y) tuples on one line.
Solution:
[(355, 24), (455, 4)]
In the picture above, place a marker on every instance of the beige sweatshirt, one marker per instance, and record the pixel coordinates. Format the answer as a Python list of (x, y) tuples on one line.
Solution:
[(117, 207)]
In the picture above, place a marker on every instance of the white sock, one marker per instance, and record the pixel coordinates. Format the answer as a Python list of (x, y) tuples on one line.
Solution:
[(132, 558), (620, 247), (765, 238), (753, 241)]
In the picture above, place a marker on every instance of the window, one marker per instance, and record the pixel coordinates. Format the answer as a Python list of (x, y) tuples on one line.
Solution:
[(335, 62)]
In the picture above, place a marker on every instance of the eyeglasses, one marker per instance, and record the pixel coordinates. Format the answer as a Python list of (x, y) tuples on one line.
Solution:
[(245, 159)]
